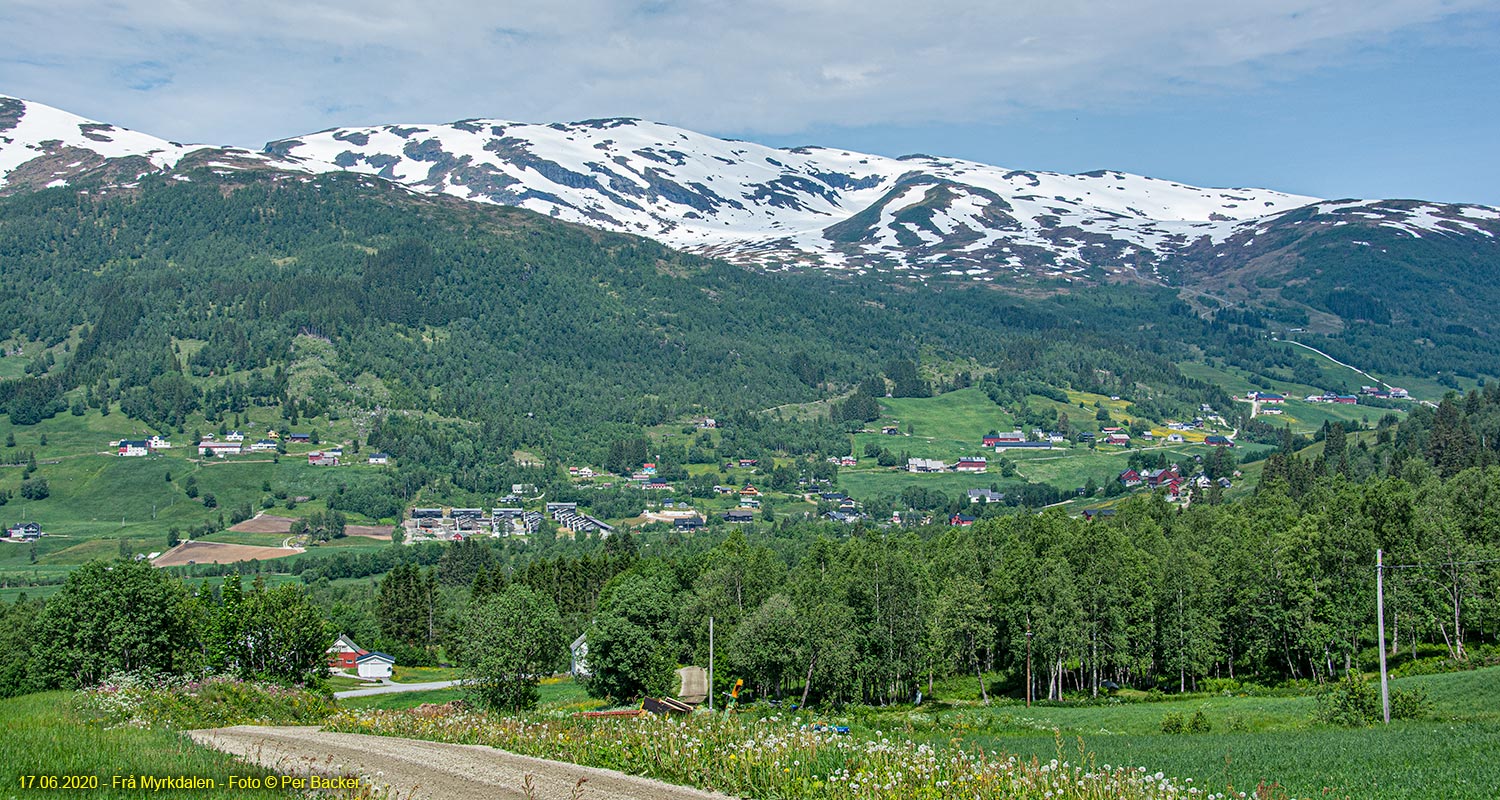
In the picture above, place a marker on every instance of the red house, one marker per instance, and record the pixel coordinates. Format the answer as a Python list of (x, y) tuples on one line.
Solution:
[(1130, 478), (344, 653)]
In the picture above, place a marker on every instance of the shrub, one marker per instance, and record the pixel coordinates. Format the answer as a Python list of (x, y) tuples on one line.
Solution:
[(1354, 703), (1173, 723), (1199, 723)]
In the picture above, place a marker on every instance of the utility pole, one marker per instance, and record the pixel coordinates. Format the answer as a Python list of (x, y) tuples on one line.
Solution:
[(1028, 665), (1385, 691), (711, 664)]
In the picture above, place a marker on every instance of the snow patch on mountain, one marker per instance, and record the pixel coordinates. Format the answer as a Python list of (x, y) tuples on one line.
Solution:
[(805, 206), (44, 147)]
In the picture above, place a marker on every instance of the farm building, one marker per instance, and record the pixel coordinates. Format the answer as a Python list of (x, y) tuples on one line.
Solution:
[(925, 465), (218, 449), (134, 447), (24, 532), (971, 464), (996, 439)]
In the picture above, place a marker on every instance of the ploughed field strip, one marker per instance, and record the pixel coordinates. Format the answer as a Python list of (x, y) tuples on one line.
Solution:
[(219, 553), (432, 770)]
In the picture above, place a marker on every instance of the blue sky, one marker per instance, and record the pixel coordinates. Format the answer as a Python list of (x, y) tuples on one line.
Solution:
[(1336, 98)]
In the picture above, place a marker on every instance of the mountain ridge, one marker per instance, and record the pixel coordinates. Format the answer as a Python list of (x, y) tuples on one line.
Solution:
[(917, 217)]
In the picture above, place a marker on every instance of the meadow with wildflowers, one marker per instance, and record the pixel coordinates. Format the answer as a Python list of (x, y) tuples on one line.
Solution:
[(783, 757), (181, 703)]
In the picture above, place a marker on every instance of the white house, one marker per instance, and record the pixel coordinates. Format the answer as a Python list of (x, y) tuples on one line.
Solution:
[(262, 446), (234, 436), (158, 443), (379, 458), (580, 651), (1175, 438), (219, 449), (375, 665)]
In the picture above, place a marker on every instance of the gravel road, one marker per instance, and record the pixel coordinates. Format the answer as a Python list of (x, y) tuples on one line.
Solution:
[(394, 688), (418, 770)]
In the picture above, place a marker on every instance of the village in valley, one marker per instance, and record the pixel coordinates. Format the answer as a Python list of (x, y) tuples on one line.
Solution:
[(1098, 455)]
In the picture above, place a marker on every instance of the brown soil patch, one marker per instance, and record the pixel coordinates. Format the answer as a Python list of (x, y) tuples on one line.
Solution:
[(372, 531), (218, 553), (264, 523)]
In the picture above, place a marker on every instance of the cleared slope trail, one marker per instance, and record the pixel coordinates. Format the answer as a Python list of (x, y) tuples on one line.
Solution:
[(412, 769)]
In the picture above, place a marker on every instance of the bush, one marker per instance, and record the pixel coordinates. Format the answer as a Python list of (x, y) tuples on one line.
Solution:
[(1173, 723), (1199, 723), (1355, 703)]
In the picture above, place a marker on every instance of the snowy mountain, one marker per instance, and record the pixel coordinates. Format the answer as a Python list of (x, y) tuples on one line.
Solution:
[(41, 146), (806, 207)]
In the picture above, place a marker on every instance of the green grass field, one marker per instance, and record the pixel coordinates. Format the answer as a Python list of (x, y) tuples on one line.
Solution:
[(951, 425), (40, 735), (1304, 417), (1452, 753), (101, 505)]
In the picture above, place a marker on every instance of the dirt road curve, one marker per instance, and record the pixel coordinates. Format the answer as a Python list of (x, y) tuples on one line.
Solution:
[(417, 770)]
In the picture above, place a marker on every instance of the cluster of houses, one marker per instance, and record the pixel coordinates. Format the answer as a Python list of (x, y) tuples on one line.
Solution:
[(234, 444), (457, 524), (23, 532), (1393, 393), (1017, 439), (567, 516), (1333, 397), (1169, 479)]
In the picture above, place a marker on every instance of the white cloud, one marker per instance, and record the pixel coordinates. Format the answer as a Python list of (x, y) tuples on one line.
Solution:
[(235, 72)]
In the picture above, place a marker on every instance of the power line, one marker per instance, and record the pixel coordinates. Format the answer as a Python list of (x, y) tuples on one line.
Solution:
[(1444, 564)]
